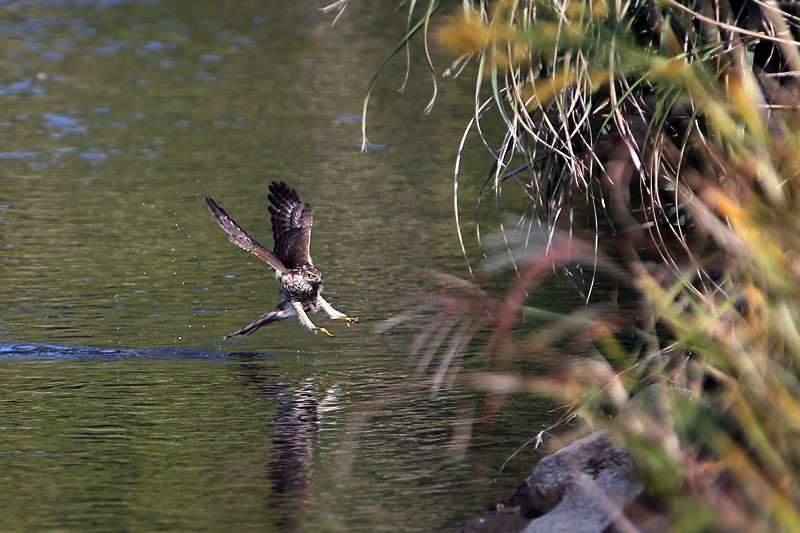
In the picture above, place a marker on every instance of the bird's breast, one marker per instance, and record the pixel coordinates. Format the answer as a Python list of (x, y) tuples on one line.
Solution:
[(298, 288)]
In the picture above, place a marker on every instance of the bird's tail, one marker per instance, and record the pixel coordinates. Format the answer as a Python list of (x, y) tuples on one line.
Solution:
[(279, 313)]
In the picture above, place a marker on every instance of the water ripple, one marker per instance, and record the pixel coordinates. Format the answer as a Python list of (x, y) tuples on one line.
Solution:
[(39, 351)]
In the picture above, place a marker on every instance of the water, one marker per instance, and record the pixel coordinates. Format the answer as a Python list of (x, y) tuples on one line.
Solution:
[(122, 408)]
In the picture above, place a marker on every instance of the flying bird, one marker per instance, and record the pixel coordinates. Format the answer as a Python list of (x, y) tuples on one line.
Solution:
[(291, 258)]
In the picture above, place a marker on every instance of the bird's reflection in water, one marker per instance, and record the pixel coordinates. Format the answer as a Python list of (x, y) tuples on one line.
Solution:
[(296, 430), (297, 427)]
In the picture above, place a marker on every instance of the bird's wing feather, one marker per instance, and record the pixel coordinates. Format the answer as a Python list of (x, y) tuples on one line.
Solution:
[(240, 238), (291, 225)]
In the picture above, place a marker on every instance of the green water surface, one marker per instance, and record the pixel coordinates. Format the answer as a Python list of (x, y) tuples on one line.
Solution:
[(121, 408)]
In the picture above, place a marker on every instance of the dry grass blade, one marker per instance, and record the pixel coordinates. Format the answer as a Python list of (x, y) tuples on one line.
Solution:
[(669, 133)]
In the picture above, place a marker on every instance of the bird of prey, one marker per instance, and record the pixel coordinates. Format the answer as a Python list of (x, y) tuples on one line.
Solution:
[(291, 258)]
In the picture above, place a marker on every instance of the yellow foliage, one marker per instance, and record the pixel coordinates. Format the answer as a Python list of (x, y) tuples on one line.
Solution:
[(542, 91), (744, 102), (578, 8), (668, 69), (464, 34)]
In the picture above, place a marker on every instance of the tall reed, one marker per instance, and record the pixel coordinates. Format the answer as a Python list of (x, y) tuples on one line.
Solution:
[(676, 126)]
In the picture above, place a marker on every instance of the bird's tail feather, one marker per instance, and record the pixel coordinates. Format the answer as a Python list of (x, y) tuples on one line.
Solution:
[(284, 310), (263, 320)]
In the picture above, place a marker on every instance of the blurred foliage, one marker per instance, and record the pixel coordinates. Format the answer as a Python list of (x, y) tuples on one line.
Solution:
[(674, 125)]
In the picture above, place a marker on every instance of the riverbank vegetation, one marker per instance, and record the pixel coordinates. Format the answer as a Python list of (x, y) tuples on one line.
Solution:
[(656, 145)]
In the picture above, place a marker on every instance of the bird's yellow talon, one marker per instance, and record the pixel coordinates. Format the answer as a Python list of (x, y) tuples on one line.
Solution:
[(348, 320), (325, 331)]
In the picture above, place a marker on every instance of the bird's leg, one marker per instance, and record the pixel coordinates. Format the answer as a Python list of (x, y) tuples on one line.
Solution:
[(333, 313), (303, 317)]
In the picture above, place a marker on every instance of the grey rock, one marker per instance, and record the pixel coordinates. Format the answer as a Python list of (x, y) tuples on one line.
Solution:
[(582, 488), (494, 523)]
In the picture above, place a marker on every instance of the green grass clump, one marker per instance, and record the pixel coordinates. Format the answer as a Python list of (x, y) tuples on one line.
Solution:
[(670, 130), (678, 126)]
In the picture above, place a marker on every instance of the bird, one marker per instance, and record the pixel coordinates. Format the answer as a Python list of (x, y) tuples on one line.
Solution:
[(301, 281)]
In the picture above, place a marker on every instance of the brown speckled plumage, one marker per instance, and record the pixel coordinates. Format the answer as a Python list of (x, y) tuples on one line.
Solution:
[(290, 257)]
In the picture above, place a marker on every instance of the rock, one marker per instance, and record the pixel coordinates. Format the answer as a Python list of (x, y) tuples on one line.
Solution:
[(582, 488), (494, 523)]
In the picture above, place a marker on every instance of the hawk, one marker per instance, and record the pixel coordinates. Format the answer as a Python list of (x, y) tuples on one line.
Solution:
[(291, 258)]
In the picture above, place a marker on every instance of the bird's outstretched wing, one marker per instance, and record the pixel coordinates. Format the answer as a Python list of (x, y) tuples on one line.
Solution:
[(240, 238), (291, 225)]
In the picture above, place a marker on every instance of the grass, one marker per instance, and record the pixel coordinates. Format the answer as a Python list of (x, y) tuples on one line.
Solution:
[(675, 126)]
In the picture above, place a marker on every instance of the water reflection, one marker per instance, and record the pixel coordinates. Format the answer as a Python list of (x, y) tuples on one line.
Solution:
[(122, 407), (74, 352), (296, 433), (214, 433)]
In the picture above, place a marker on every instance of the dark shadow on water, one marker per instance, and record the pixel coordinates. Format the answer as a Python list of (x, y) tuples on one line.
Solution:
[(38, 351)]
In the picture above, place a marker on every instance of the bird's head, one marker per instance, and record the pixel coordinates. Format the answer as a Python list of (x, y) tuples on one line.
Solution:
[(303, 278), (312, 275)]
